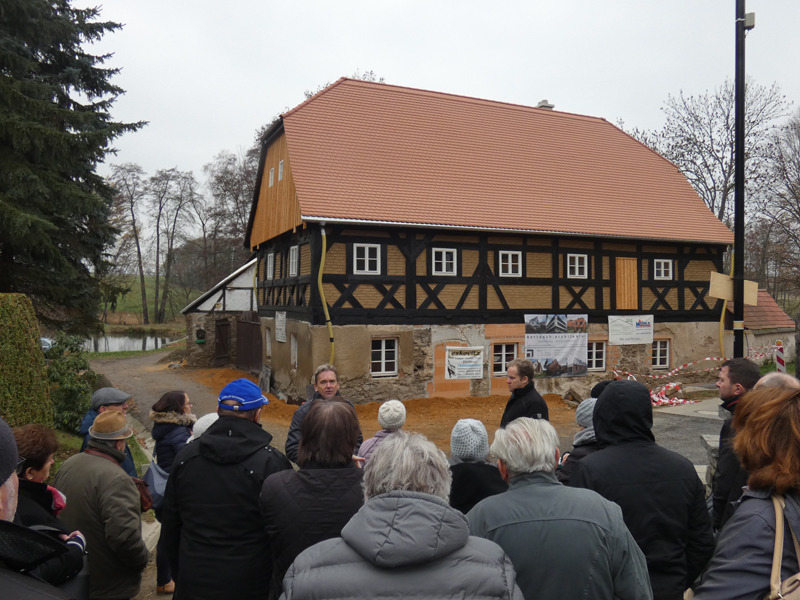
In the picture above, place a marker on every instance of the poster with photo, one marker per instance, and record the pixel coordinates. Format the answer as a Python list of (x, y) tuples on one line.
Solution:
[(464, 363), (630, 329), (557, 344)]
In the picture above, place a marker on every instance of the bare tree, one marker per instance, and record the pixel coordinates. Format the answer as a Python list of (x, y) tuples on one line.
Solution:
[(698, 137), (130, 185)]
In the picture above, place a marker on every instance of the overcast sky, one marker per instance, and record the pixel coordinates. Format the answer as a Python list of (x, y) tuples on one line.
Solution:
[(207, 74)]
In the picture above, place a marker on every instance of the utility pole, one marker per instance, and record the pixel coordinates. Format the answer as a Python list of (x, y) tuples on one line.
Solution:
[(743, 22)]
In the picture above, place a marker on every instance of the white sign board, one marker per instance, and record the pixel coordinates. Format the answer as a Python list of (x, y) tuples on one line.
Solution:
[(557, 345), (464, 363), (631, 329), (280, 326)]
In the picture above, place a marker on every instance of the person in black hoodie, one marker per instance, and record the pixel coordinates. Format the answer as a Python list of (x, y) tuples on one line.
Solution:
[(215, 536), (525, 401), (172, 426), (661, 496)]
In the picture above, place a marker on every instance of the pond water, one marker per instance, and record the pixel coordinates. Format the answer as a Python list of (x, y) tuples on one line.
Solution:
[(120, 343)]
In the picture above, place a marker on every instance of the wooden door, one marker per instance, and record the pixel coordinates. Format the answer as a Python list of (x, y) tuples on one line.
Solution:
[(627, 283)]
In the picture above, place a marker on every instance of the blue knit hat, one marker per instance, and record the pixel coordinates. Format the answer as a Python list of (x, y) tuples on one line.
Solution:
[(244, 391)]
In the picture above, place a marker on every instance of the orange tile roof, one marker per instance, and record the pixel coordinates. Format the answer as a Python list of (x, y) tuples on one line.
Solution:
[(381, 153), (765, 315)]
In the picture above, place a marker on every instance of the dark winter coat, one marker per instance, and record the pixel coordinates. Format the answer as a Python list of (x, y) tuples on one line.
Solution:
[(171, 430), (742, 562), (729, 476), (212, 527), (293, 437), (567, 468), (661, 496), (525, 402), (88, 420), (305, 507), (403, 545), (472, 482), (35, 510)]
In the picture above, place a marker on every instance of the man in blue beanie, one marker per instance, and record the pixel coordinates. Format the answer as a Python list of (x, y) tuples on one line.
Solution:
[(213, 526)]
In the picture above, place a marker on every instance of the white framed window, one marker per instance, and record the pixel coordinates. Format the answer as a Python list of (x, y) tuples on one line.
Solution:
[(294, 261), (502, 354), (280, 171), (577, 266), (443, 261), (270, 266), (596, 357), (293, 350), (510, 263), (267, 342), (662, 268), (660, 354), (271, 176), (383, 359), (366, 259)]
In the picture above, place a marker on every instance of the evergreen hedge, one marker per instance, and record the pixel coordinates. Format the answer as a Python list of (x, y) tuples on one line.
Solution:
[(24, 388)]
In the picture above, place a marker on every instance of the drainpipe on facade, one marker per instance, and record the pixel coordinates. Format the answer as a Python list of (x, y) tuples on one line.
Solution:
[(322, 292)]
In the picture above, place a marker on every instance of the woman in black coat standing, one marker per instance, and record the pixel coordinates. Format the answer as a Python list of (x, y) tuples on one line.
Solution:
[(172, 425), (304, 507)]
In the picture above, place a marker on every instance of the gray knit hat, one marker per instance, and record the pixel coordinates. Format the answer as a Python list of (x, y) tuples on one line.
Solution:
[(584, 412), (9, 455), (108, 396), (392, 414), (469, 440)]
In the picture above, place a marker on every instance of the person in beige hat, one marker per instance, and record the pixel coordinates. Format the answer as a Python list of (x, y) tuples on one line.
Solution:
[(391, 416), (104, 504)]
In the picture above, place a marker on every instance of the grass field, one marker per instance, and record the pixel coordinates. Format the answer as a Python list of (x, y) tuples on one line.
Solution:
[(131, 302)]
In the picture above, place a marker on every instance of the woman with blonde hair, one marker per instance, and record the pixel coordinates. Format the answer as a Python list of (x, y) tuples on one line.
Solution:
[(767, 424)]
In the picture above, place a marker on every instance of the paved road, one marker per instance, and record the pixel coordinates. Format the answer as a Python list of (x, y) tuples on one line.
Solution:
[(679, 428)]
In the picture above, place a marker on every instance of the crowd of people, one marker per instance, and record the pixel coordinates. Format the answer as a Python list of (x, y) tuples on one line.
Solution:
[(616, 517)]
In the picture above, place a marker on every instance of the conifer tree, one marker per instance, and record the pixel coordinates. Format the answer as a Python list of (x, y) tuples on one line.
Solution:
[(55, 127)]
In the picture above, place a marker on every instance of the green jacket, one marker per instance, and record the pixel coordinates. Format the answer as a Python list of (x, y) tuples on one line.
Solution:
[(103, 503)]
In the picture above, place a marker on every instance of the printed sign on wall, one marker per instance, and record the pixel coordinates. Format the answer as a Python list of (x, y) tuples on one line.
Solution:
[(631, 329), (280, 326), (557, 345), (464, 363)]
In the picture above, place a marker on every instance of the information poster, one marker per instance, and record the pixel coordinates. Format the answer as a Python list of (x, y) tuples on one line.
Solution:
[(557, 345), (280, 326), (464, 363), (631, 329)]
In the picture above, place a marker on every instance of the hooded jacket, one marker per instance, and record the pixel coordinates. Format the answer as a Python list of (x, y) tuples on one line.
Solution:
[(661, 496), (729, 476), (171, 431), (525, 402), (403, 545), (212, 527)]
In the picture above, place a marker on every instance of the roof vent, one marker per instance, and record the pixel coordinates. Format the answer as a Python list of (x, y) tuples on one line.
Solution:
[(545, 105)]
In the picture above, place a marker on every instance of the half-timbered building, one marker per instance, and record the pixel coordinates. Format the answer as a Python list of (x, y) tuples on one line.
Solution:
[(390, 223)]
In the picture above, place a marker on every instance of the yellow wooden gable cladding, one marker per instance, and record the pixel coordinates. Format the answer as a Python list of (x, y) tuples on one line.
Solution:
[(277, 210)]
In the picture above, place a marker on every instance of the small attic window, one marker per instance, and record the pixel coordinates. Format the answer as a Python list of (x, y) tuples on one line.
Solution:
[(280, 171), (271, 176)]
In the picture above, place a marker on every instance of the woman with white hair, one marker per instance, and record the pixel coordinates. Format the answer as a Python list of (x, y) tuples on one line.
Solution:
[(406, 541)]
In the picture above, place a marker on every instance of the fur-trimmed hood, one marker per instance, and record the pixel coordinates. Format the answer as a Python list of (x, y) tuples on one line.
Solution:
[(173, 418)]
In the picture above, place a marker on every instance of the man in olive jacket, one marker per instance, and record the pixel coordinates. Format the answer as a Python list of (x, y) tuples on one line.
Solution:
[(103, 503)]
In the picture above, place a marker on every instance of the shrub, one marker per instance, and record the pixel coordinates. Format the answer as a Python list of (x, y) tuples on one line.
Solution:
[(71, 382), (24, 392)]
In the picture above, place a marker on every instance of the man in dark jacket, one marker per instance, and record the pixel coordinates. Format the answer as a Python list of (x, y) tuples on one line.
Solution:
[(661, 496), (525, 401), (213, 527), (326, 388), (736, 377), (108, 398)]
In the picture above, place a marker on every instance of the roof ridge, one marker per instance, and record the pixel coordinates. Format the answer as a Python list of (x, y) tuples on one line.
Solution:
[(315, 96)]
